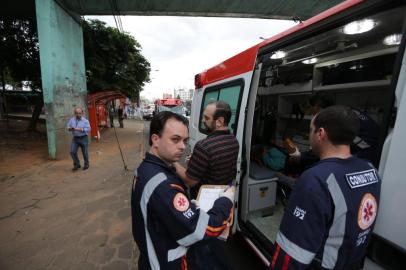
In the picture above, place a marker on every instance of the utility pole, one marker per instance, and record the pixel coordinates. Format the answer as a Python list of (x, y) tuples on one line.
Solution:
[(2, 97)]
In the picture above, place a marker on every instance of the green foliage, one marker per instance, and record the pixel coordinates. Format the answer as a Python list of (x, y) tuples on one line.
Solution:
[(19, 52), (113, 60)]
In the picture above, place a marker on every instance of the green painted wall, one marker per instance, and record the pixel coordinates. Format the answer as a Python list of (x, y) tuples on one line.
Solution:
[(62, 70)]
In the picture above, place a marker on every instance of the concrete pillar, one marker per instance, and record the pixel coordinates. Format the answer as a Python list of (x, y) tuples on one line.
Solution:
[(62, 70)]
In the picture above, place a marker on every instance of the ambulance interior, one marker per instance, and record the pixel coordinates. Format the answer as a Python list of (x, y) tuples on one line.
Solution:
[(352, 64)]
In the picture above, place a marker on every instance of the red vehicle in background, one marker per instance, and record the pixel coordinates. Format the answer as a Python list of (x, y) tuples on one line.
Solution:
[(169, 104)]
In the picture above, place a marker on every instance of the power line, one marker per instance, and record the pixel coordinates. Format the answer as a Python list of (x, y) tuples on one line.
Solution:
[(116, 15)]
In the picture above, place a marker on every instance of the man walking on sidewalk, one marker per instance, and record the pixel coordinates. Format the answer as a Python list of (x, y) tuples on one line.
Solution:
[(80, 127)]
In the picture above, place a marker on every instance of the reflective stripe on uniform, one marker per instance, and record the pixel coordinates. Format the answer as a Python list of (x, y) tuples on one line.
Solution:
[(176, 253), (146, 194), (198, 234), (299, 254), (361, 143), (337, 230)]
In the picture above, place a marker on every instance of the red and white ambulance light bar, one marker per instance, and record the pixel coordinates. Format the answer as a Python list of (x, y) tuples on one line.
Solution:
[(168, 102)]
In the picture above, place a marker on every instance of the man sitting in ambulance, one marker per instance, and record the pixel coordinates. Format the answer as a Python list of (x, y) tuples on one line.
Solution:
[(364, 145)]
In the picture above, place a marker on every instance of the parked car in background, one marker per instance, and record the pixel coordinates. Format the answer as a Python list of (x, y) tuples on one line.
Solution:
[(148, 111)]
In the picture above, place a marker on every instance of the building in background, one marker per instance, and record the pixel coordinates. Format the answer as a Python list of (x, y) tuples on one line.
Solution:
[(184, 94), (167, 95)]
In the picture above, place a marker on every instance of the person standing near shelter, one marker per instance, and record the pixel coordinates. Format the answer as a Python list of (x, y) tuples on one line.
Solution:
[(80, 127), (332, 210), (111, 115), (120, 113), (165, 222)]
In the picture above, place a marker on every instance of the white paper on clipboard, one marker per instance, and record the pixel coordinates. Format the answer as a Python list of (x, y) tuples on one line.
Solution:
[(208, 194)]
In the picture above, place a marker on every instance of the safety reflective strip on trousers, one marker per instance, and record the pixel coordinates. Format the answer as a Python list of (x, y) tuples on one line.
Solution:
[(146, 194), (299, 254), (337, 230)]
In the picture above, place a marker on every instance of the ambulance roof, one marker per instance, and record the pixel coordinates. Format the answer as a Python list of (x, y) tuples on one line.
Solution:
[(245, 61)]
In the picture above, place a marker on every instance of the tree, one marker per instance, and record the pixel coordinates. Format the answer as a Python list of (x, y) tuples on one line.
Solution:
[(19, 60), (113, 60), (19, 52)]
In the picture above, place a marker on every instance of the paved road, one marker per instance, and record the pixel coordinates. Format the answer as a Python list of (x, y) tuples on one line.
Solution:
[(52, 218)]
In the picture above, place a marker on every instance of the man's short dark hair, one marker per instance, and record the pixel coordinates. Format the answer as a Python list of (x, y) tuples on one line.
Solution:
[(340, 123), (321, 99), (222, 110), (159, 120)]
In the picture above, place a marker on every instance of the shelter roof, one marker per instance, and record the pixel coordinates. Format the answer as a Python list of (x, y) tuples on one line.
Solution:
[(267, 9)]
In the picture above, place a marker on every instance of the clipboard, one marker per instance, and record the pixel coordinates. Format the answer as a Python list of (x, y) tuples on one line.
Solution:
[(206, 197), (208, 194)]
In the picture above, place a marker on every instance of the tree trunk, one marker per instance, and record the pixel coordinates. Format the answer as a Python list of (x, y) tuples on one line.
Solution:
[(39, 103), (2, 96)]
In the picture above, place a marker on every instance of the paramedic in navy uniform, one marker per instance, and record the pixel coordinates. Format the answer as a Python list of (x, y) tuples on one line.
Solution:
[(80, 127), (165, 222), (331, 212)]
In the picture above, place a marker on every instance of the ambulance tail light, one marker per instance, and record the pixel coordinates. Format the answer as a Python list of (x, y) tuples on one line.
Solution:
[(198, 81)]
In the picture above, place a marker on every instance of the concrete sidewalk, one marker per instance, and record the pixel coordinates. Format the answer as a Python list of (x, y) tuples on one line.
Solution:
[(53, 218)]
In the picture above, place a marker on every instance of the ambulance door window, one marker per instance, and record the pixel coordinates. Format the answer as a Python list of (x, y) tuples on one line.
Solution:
[(230, 93), (209, 97)]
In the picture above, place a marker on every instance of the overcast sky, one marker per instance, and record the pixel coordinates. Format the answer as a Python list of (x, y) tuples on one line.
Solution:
[(180, 47)]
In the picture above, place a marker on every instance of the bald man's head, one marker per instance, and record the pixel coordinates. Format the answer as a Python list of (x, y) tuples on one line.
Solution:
[(78, 112)]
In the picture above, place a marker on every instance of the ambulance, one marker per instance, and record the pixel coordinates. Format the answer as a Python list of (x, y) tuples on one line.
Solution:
[(169, 104), (355, 52)]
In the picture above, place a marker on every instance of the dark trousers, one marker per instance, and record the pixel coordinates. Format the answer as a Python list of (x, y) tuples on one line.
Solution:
[(208, 254), (120, 121), (83, 143), (111, 120)]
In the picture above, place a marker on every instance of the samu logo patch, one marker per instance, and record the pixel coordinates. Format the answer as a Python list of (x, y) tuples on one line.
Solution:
[(367, 211), (360, 179), (180, 202)]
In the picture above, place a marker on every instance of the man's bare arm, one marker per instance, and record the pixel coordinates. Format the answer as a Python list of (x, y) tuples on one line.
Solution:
[(181, 171)]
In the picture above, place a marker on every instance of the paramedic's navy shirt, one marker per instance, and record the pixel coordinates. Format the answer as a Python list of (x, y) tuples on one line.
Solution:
[(330, 216), (165, 223)]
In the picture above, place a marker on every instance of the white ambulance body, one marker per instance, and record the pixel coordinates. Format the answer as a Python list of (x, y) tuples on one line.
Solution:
[(355, 52)]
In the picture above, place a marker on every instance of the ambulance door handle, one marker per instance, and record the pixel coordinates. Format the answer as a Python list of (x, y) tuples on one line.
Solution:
[(263, 189)]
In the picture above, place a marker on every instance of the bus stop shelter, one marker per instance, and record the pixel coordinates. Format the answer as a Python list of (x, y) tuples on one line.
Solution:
[(97, 105)]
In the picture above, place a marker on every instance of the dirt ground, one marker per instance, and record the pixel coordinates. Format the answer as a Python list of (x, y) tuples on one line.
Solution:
[(53, 218)]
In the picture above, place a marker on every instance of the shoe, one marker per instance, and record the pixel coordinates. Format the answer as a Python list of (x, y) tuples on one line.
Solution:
[(86, 167), (75, 168)]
